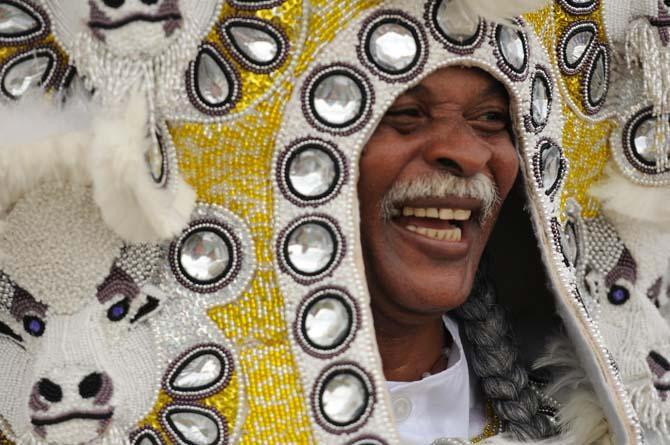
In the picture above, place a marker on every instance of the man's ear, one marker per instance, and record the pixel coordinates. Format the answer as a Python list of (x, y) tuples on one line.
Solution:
[(151, 301)]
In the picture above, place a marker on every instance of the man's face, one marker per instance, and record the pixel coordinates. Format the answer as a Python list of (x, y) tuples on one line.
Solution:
[(441, 151)]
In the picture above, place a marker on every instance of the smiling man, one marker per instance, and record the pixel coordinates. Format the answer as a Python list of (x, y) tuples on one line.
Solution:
[(433, 178)]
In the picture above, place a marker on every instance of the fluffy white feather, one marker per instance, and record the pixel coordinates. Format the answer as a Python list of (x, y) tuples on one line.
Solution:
[(463, 14), (131, 203), (619, 195)]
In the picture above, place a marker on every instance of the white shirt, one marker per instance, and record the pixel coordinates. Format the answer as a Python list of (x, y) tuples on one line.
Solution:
[(447, 404)]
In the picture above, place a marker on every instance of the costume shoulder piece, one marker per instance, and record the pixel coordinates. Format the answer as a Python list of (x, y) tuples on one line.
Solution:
[(185, 268)]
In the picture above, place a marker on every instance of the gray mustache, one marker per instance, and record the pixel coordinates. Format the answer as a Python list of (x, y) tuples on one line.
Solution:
[(442, 185)]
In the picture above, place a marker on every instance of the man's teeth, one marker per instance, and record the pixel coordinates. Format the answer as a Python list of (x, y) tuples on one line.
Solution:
[(447, 235), (432, 212)]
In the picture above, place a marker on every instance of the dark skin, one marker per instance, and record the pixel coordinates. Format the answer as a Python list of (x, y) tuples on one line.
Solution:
[(456, 120)]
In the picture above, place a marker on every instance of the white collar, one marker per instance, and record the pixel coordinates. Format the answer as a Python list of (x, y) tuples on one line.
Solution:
[(447, 404)]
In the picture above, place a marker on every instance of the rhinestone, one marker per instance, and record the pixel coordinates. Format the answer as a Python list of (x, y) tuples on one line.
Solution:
[(569, 243), (312, 172), (155, 159), (643, 141), (311, 248), (194, 427), (598, 80), (198, 372), (15, 21), (453, 26), (393, 47), (257, 45), (512, 47), (213, 84), (327, 322), (204, 256), (344, 398), (551, 166), (29, 72), (576, 47), (338, 99), (540, 101)]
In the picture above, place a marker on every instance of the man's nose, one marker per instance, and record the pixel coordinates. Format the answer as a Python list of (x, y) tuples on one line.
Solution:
[(456, 147)]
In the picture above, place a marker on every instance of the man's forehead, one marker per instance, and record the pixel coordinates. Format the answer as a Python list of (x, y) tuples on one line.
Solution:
[(458, 82)]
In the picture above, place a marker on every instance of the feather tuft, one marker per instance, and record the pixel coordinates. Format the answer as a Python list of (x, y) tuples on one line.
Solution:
[(621, 196), (131, 203), (463, 15)]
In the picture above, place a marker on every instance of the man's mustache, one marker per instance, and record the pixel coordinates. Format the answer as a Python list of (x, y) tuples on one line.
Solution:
[(442, 185)]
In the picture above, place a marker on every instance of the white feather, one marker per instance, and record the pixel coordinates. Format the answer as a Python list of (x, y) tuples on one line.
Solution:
[(131, 203), (619, 195), (41, 140), (461, 14)]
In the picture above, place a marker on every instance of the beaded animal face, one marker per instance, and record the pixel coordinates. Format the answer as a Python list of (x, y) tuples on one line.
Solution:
[(90, 336), (139, 26)]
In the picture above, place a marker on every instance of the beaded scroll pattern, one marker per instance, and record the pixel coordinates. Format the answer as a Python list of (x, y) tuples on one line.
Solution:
[(231, 165), (585, 143)]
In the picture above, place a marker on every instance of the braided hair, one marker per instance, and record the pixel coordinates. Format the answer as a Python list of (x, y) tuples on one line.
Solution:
[(493, 356)]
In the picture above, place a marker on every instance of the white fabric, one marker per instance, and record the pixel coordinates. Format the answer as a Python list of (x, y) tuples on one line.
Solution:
[(447, 404)]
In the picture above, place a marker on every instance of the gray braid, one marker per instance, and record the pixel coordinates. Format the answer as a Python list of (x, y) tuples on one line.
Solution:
[(494, 359)]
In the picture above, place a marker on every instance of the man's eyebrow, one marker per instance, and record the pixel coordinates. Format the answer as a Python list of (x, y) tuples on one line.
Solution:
[(494, 89)]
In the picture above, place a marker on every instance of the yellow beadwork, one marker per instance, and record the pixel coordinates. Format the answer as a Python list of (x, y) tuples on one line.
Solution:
[(493, 425), (585, 143)]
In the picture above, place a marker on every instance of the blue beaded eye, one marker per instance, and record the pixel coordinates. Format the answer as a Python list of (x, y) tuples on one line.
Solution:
[(34, 325), (618, 295), (119, 310)]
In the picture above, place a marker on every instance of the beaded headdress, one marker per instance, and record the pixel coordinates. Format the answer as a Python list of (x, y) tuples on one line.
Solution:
[(260, 329)]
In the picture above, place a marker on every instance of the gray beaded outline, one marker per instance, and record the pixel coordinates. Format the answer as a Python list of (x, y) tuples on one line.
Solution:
[(333, 228), (543, 145), (573, 8), (231, 74), (299, 323), (227, 234), (367, 440), (627, 143), (570, 31), (590, 107), (143, 433), (277, 34), (408, 22), (330, 372), (255, 4), (36, 12), (341, 165), (51, 76), (503, 64), (227, 371), (529, 122), (468, 47), (211, 413), (359, 78)]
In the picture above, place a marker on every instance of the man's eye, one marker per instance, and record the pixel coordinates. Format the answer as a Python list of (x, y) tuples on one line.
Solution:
[(404, 112), (34, 326), (119, 310)]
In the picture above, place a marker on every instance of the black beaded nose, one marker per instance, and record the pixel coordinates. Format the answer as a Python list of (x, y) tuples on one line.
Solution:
[(50, 391), (149, 2), (91, 385), (114, 3)]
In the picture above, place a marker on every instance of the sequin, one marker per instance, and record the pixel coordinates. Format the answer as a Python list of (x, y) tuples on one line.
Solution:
[(597, 80), (28, 72), (577, 45), (551, 166), (327, 322), (344, 398), (643, 141), (540, 100), (311, 248), (312, 172), (393, 47), (259, 46), (457, 30), (16, 21), (512, 47), (197, 372), (337, 99), (569, 243), (204, 256), (195, 428), (213, 85)]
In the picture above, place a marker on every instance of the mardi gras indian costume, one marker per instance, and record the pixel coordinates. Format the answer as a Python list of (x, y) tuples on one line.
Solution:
[(179, 257)]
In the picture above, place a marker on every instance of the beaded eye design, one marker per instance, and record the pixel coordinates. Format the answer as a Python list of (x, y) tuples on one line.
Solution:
[(34, 325), (618, 295), (119, 310)]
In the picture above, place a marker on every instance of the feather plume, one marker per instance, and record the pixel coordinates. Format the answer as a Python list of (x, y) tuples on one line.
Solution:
[(463, 15), (621, 196), (131, 203)]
